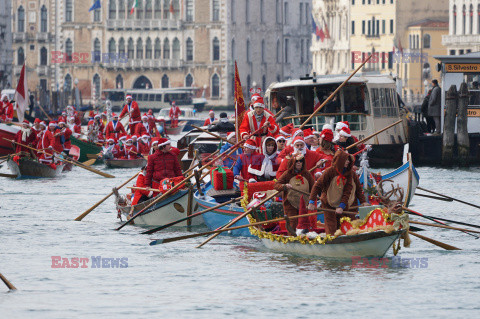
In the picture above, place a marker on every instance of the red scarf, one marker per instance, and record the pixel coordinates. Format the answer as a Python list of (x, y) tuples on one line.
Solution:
[(340, 178)]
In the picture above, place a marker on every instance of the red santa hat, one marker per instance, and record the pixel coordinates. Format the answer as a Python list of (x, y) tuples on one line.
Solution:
[(259, 104), (327, 126), (211, 112), (123, 137), (255, 97), (104, 113), (26, 122), (287, 130), (128, 97), (251, 144), (145, 116), (43, 123), (295, 132), (341, 125), (150, 112), (299, 139), (173, 103), (345, 131), (279, 137), (145, 136), (110, 140), (163, 141), (134, 136), (70, 107), (230, 135), (155, 140), (52, 123), (114, 115), (327, 135), (129, 138), (90, 122), (97, 116), (37, 120), (64, 113), (61, 121), (308, 133)]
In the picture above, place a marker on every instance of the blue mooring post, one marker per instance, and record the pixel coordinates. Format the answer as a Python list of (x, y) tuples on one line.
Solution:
[(462, 130)]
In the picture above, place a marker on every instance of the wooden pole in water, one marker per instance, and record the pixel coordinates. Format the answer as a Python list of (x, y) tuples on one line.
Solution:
[(462, 131), (449, 126)]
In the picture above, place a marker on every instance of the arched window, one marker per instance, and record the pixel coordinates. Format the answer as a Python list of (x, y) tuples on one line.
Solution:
[(121, 9), (158, 9), (112, 9), (215, 10), (121, 47), (96, 45), (216, 49), (176, 49), (165, 81), (189, 10), (188, 80), (464, 13), (189, 49), (21, 20), (166, 49), (426, 41), (68, 10), (97, 51), (43, 56), (67, 83), (20, 56), (43, 19), (112, 46), (139, 48), (279, 52), (158, 49), (215, 86), (139, 9), (263, 51), (119, 81), (131, 49), (69, 49), (148, 9), (248, 50), (233, 50), (96, 86), (148, 49), (454, 19)]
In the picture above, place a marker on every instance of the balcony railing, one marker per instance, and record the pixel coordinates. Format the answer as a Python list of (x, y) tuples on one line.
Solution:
[(42, 36), (467, 39), (143, 24), (19, 36), (144, 64), (17, 69), (42, 70)]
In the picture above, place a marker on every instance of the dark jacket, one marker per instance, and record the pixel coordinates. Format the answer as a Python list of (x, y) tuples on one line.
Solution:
[(224, 127), (162, 165)]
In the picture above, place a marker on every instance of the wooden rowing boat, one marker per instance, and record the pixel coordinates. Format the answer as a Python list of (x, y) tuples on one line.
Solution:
[(159, 214), (7, 131), (28, 168), (75, 154), (175, 130), (85, 148), (125, 163)]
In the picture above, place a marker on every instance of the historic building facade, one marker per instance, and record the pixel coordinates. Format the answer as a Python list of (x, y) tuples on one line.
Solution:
[(464, 27), (161, 43), (6, 52)]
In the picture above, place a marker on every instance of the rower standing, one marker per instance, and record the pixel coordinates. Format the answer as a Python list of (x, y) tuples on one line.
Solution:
[(131, 108), (255, 119), (174, 114), (115, 129)]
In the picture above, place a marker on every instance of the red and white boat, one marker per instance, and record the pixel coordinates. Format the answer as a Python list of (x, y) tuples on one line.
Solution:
[(7, 131)]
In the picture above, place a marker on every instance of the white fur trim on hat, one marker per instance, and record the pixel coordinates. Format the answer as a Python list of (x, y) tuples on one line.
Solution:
[(165, 143), (340, 125), (52, 124), (258, 104), (343, 133), (231, 135), (128, 97), (252, 147)]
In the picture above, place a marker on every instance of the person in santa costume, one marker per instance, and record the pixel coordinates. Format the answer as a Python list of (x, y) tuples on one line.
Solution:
[(25, 136), (338, 188), (57, 136), (112, 148), (72, 112), (345, 139), (77, 129), (121, 141), (267, 170), (296, 176), (104, 119), (327, 148), (162, 164), (129, 150), (249, 159), (281, 142), (154, 145), (99, 128), (6, 112), (37, 129), (140, 196), (310, 139), (115, 128), (287, 130), (64, 134), (144, 127), (174, 114), (256, 119), (144, 145), (338, 128), (211, 118), (152, 122), (48, 144), (312, 159), (131, 108), (63, 117), (289, 145)]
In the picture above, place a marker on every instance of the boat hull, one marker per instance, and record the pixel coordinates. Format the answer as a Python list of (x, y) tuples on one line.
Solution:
[(8, 132), (175, 130), (75, 154), (374, 244), (163, 212), (32, 169), (125, 163), (85, 148)]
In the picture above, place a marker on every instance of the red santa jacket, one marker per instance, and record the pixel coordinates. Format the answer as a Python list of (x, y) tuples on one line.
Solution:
[(162, 165), (138, 193), (130, 152), (143, 128), (67, 133), (57, 141), (174, 112), (47, 140), (134, 112), (250, 125), (209, 121), (143, 148), (26, 137), (7, 115), (311, 159), (115, 130)]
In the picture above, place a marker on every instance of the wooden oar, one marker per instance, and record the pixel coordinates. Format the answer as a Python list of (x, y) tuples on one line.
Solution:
[(79, 218), (410, 211), (239, 218), (89, 162), (374, 134), (8, 175), (435, 197), (7, 282), (96, 171), (442, 226), (334, 92), (154, 230), (212, 134), (199, 163), (433, 241), (455, 199), (454, 222)]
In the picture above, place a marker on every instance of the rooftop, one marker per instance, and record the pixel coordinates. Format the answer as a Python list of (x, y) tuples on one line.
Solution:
[(429, 23)]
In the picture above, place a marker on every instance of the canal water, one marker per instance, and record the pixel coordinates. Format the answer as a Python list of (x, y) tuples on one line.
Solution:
[(233, 277)]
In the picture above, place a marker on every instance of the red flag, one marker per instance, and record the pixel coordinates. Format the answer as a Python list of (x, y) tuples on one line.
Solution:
[(21, 95), (327, 33), (320, 34), (239, 103)]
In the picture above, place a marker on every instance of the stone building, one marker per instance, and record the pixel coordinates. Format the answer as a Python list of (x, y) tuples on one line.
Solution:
[(464, 27), (6, 53)]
